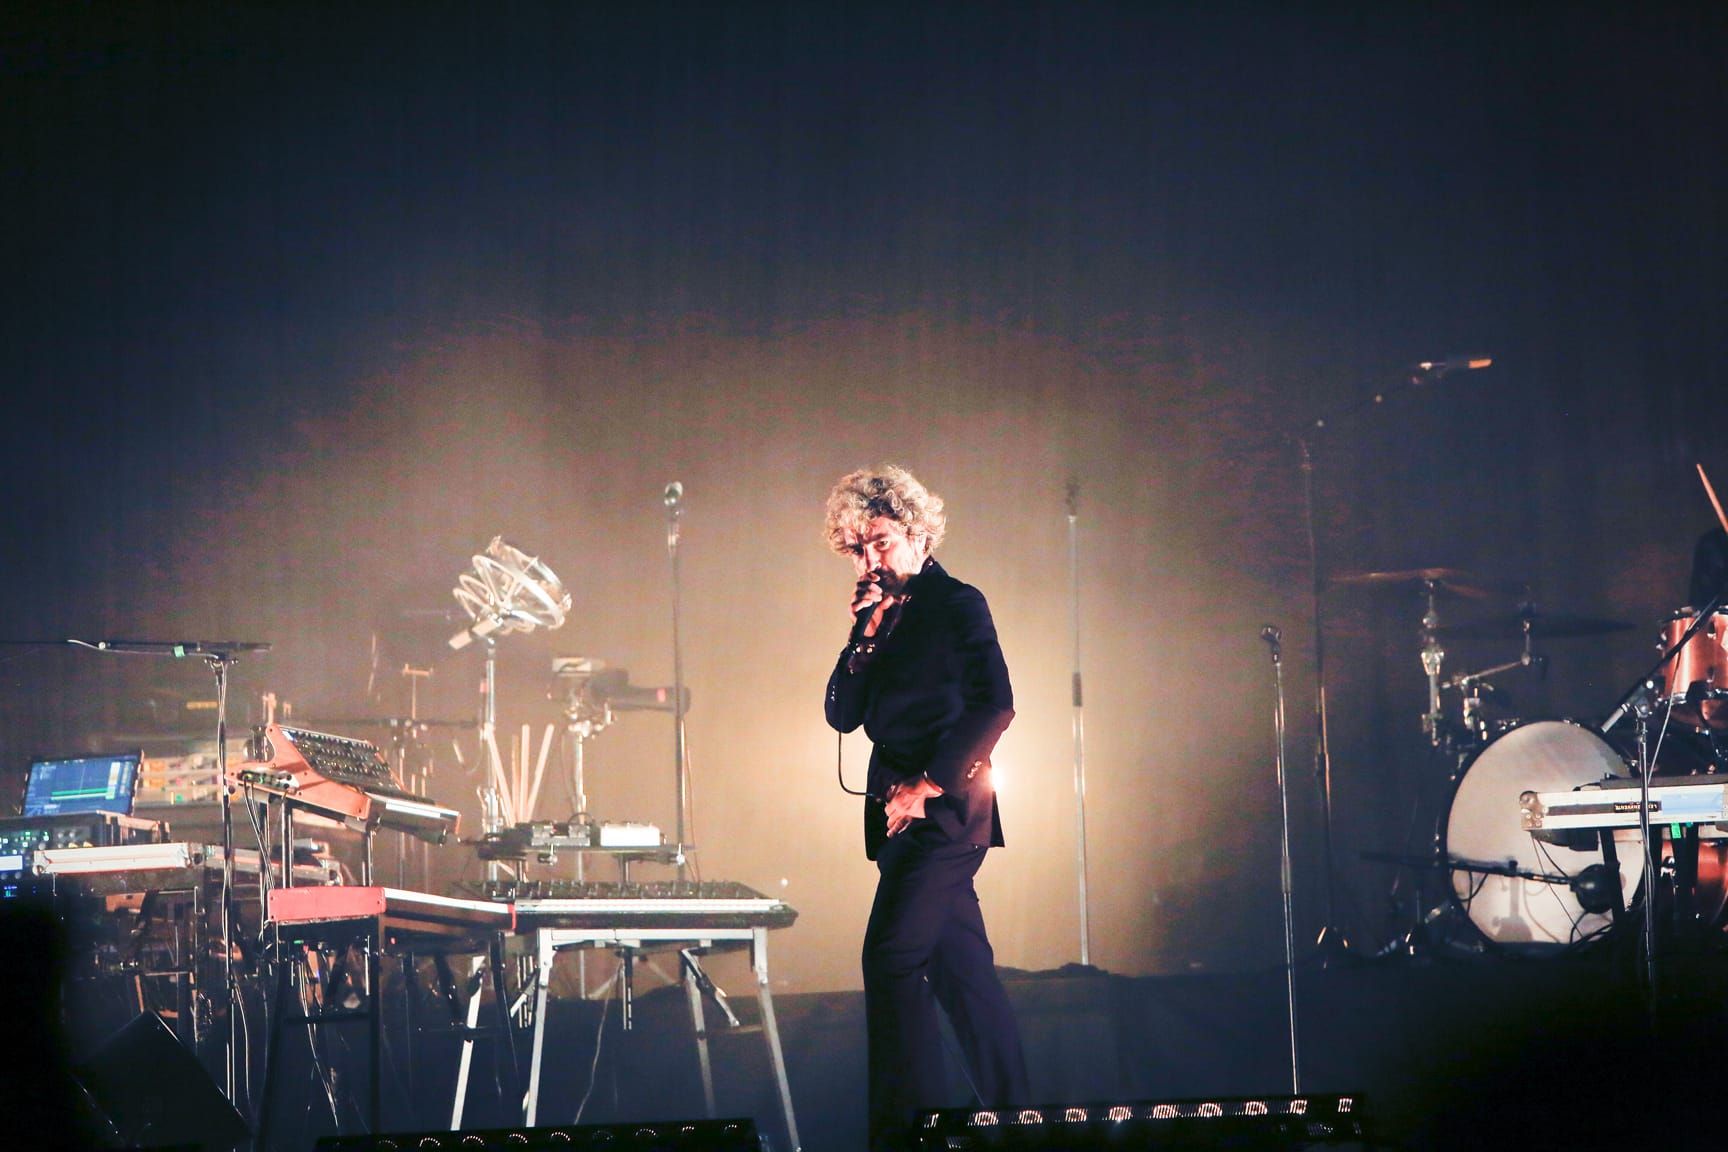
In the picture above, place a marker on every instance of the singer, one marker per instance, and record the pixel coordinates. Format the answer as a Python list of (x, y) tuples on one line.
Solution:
[(924, 675)]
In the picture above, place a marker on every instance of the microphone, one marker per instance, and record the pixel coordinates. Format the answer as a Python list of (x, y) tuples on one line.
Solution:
[(673, 498), (1425, 371), (862, 620)]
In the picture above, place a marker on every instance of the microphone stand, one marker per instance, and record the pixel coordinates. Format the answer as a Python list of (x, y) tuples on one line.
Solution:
[(674, 501), (1272, 635), (1332, 942), (219, 656), (1079, 718)]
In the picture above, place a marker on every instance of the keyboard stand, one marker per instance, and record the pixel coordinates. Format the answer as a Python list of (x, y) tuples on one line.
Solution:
[(548, 942), (484, 967), (379, 921)]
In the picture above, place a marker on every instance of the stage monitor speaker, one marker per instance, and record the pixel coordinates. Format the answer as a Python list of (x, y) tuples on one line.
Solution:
[(651, 1136), (1257, 1123), (155, 1093)]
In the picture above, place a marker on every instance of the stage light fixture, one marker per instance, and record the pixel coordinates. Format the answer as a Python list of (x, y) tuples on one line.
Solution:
[(1260, 1122)]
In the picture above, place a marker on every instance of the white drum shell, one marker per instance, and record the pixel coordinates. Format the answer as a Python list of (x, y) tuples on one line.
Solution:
[(1483, 826)]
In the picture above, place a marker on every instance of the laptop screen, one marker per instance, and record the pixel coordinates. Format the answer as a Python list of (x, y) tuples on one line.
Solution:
[(81, 784)]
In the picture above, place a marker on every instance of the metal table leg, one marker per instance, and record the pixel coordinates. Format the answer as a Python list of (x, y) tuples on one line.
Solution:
[(542, 981), (698, 1022), (759, 964), (476, 970)]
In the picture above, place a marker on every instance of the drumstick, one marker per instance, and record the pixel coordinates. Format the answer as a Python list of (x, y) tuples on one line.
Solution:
[(1714, 503)]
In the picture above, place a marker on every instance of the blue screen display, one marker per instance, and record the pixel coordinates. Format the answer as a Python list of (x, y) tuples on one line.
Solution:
[(81, 784)]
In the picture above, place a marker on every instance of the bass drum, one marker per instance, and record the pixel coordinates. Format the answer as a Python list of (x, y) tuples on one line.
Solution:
[(1483, 828)]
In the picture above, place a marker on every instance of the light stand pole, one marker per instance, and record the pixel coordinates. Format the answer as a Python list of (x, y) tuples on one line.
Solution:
[(1079, 719)]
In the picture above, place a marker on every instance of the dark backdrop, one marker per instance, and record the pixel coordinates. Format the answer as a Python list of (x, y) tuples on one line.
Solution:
[(301, 306)]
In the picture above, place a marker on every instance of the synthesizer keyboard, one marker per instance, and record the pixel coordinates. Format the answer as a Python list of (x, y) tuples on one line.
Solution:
[(340, 777), (653, 904)]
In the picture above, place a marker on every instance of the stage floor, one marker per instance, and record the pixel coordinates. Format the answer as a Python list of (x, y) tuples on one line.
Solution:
[(1563, 1052)]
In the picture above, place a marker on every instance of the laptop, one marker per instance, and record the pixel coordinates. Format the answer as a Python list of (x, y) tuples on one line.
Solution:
[(79, 784)]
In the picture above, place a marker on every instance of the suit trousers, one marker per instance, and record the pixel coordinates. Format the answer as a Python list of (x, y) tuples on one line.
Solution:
[(926, 945)]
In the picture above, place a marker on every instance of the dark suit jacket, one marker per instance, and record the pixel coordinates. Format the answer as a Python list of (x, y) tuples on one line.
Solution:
[(934, 698)]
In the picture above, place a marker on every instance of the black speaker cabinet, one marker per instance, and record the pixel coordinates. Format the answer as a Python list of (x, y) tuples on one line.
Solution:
[(155, 1093)]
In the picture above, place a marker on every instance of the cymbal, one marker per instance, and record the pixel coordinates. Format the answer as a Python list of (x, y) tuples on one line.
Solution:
[(1546, 625), (1456, 581)]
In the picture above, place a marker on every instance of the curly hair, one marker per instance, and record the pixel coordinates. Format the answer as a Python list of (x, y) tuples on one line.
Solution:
[(859, 497)]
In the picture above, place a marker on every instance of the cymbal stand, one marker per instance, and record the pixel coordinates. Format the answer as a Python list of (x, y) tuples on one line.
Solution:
[(1433, 656), (1441, 743), (1471, 683)]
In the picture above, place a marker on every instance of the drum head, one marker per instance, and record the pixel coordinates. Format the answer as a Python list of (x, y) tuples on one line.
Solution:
[(1483, 827)]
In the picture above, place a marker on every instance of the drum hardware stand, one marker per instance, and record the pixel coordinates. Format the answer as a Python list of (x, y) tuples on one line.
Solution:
[(1331, 940), (1273, 635), (1332, 943), (1433, 655), (1471, 684), (673, 498), (1080, 720), (1442, 741), (1456, 744)]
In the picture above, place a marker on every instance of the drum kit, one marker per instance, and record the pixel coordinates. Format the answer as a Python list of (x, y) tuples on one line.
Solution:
[(1504, 889)]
